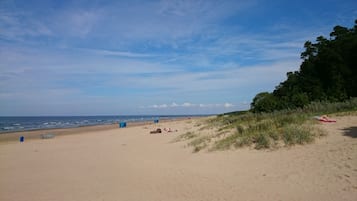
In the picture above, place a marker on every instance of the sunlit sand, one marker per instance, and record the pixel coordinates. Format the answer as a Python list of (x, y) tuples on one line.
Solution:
[(132, 164)]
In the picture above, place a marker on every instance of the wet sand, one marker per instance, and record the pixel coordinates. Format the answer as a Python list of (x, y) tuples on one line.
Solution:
[(36, 134)]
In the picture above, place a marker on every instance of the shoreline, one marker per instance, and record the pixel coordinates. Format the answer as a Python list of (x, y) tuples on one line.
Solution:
[(36, 134)]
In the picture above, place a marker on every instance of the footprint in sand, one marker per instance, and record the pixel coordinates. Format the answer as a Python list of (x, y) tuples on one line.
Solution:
[(348, 181), (338, 166), (339, 177), (348, 166)]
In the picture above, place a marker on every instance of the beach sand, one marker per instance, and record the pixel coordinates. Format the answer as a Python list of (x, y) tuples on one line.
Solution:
[(132, 165)]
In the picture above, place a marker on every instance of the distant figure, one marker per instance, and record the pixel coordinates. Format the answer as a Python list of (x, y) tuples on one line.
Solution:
[(22, 139), (156, 131), (169, 130)]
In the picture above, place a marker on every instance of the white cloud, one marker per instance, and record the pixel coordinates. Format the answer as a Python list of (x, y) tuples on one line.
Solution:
[(17, 25), (227, 105), (174, 105), (119, 53), (163, 106), (79, 22), (160, 82), (187, 105)]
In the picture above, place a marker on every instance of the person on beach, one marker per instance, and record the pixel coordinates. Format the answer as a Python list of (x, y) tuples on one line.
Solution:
[(156, 131), (169, 130), (324, 118)]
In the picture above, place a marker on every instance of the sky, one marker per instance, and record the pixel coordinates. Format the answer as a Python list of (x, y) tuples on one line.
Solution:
[(153, 57)]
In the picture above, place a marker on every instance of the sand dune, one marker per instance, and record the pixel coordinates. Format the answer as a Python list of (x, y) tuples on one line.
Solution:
[(131, 164)]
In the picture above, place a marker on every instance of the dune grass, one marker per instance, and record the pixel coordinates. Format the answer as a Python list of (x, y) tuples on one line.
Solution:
[(266, 130), (200, 143), (185, 136)]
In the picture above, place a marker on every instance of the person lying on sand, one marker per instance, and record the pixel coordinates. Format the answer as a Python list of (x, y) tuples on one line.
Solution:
[(324, 118), (156, 131), (160, 131), (169, 130)]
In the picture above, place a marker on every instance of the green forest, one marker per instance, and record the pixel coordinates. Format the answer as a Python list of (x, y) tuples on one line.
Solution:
[(328, 72)]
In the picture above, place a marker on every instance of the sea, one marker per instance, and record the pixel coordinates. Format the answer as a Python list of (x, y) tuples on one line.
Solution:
[(14, 124)]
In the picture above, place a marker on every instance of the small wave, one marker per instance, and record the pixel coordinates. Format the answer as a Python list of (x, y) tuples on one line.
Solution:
[(8, 128), (16, 124)]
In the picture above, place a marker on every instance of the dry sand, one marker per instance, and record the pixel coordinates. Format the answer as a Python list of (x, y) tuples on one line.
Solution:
[(130, 164)]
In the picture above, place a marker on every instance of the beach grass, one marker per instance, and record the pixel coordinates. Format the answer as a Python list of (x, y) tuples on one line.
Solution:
[(265, 130), (199, 143), (185, 136)]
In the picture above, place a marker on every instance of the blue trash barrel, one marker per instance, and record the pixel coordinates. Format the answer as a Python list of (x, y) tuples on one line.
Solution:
[(122, 124), (22, 138)]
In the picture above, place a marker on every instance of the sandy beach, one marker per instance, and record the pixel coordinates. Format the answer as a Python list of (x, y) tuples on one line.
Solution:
[(110, 164)]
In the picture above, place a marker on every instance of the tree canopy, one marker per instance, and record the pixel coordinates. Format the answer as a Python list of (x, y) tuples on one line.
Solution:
[(328, 72)]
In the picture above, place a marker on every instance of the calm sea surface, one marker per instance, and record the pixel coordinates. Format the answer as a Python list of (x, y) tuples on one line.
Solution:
[(12, 124)]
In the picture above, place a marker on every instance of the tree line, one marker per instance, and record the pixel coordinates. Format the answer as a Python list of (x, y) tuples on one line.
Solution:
[(328, 72)]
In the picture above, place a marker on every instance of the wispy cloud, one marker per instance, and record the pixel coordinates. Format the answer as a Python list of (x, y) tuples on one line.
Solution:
[(18, 25), (77, 23), (182, 56), (119, 53), (188, 105)]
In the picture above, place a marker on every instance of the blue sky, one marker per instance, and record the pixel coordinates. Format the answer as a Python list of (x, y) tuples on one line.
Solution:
[(153, 57)]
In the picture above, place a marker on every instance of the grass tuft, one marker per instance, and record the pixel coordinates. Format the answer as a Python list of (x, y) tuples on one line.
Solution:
[(295, 134), (262, 141), (226, 143), (185, 136)]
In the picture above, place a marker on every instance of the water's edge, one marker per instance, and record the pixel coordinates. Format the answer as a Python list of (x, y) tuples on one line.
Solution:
[(18, 124)]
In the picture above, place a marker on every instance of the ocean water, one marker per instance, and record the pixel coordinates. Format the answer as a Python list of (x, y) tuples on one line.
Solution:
[(12, 124)]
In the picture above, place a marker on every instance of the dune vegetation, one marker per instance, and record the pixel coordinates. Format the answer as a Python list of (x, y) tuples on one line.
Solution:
[(264, 130)]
